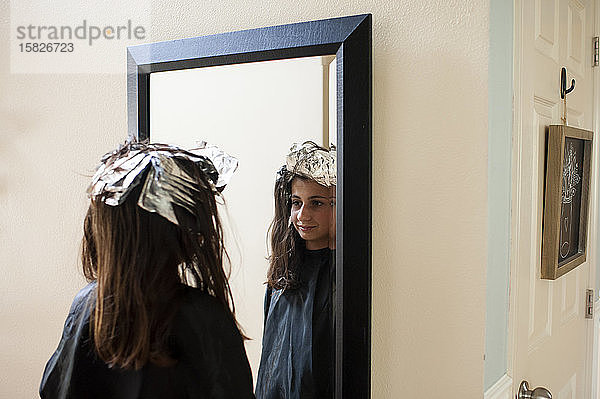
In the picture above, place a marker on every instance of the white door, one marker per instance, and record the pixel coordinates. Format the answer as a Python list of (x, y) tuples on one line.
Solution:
[(549, 333)]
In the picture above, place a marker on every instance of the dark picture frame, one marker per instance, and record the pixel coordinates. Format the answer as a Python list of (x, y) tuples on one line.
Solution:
[(566, 199), (350, 39)]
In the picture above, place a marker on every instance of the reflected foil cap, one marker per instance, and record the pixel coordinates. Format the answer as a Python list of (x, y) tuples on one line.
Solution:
[(310, 160), (169, 181)]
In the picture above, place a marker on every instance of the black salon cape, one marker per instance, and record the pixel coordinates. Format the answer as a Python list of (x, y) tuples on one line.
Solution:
[(211, 360), (297, 360)]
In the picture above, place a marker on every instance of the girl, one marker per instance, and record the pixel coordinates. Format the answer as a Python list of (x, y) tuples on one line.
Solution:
[(297, 350), (155, 321)]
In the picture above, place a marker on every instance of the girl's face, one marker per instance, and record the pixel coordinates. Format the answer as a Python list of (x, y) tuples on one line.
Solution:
[(313, 213)]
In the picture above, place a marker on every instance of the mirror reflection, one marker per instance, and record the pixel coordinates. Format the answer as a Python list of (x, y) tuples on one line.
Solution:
[(298, 349), (279, 222)]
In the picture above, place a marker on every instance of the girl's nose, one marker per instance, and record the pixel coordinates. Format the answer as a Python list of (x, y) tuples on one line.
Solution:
[(303, 214)]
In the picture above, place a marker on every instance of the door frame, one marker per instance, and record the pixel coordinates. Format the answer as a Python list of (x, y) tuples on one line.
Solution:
[(593, 332), (517, 133)]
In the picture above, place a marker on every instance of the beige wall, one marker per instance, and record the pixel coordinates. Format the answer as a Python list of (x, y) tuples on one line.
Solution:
[(429, 173)]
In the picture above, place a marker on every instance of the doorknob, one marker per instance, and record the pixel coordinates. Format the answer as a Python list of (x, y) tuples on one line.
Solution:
[(537, 393)]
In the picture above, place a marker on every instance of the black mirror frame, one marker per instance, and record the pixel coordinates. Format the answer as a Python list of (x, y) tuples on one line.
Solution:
[(349, 38)]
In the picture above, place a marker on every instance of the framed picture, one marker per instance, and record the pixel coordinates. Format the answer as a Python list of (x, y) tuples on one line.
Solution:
[(566, 199)]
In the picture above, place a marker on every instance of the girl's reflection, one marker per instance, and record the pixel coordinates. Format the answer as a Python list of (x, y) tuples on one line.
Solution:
[(297, 358)]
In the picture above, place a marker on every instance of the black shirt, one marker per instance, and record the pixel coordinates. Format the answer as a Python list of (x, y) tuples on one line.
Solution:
[(297, 360), (208, 348)]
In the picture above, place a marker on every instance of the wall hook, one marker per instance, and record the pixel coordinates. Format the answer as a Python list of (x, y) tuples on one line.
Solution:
[(563, 84)]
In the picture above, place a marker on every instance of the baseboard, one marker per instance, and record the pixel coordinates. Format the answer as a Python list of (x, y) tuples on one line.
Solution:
[(502, 389)]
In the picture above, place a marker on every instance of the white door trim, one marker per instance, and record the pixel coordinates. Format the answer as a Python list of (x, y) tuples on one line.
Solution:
[(502, 389), (516, 183), (594, 329), (594, 352)]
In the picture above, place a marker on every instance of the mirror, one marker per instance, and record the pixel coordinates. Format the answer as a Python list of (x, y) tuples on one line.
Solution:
[(254, 93), (274, 103)]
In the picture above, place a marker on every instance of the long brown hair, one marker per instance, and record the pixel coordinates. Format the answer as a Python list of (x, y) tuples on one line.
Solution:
[(286, 243), (140, 260)]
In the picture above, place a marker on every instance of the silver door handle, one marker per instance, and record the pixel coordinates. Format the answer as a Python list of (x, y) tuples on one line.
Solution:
[(537, 393)]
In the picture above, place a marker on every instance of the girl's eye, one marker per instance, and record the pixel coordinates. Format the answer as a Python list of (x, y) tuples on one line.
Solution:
[(317, 203), (296, 203)]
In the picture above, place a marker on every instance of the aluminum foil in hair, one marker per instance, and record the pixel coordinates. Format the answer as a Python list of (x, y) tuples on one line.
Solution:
[(168, 182), (310, 160), (225, 164)]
